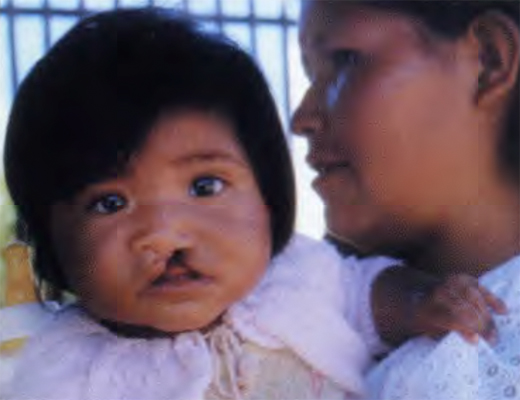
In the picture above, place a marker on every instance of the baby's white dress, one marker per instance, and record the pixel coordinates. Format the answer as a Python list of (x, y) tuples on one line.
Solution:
[(452, 369), (294, 337)]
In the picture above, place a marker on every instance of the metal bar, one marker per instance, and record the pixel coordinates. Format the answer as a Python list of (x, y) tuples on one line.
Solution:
[(32, 11), (46, 25), (12, 46), (219, 16), (47, 11), (82, 11), (252, 26), (285, 59)]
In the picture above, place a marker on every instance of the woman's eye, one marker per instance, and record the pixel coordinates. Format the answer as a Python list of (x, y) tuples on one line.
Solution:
[(206, 186), (345, 58), (108, 204)]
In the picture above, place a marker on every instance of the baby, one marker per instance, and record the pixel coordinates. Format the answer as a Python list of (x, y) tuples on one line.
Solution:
[(149, 164)]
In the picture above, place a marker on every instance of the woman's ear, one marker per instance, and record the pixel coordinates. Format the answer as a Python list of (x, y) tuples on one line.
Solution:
[(498, 41)]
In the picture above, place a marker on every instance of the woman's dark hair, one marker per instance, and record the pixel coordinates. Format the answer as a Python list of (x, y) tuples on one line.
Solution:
[(450, 19), (89, 104)]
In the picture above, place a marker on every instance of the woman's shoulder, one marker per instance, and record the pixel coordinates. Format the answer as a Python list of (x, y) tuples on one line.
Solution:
[(504, 280)]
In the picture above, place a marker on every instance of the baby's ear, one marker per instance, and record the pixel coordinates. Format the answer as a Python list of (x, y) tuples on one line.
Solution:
[(498, 41)]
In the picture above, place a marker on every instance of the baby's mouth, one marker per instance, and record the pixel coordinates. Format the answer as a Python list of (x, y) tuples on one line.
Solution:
[(177, 272)]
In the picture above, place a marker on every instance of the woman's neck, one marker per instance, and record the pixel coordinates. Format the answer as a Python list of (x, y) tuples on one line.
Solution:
[(474, 239)]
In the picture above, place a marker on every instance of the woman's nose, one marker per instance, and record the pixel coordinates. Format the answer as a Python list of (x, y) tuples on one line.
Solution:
[(307, 119), (163, 229)]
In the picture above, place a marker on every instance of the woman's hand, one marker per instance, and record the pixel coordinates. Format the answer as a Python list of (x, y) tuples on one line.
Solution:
[(458, 303), (408, 302)]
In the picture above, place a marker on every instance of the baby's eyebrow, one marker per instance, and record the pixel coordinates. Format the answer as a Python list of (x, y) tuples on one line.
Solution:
[(208, 157)]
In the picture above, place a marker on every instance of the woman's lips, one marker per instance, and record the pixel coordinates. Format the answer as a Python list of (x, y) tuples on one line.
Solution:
[(325, 172), (328, 168), (324, 169), (325, 165)]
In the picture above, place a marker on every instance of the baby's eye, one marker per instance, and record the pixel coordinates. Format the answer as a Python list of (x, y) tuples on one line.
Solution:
[(206, 186), (108, 204)]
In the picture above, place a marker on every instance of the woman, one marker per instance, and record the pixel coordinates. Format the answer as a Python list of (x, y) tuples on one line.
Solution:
[(412, 119)]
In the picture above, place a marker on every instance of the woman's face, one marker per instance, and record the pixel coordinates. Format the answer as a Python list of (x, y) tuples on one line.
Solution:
[(390, 121)]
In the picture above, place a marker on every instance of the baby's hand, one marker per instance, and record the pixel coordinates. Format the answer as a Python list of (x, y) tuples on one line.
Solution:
[(459, 304)]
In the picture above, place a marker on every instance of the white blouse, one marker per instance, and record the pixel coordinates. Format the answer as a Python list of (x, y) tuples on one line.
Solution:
[(424, 369)]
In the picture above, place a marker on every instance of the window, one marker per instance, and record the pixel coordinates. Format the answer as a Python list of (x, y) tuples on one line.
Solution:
[(265, 28)]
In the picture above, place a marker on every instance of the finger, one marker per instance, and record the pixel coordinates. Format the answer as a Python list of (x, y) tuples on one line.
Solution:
[(459, 306), (466, 302), (464, 326), (479, 297), (470, 337), (475, 315), (472, 304), (463, 282), (486, 326), (488, 331), (458, 314), (492, 301), (492, 333), (475, 297)]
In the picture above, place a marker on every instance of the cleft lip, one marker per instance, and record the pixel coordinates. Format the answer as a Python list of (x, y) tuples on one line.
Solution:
[(177, 275), (177, 271), (177, 258)]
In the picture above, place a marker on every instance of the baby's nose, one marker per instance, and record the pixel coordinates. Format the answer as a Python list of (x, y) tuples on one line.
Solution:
[(164, 229)]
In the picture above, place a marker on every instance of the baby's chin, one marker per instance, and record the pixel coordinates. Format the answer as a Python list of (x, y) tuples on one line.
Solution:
[(148, 332)]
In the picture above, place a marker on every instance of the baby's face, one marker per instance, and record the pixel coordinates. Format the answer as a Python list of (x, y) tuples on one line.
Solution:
[(177, 239)]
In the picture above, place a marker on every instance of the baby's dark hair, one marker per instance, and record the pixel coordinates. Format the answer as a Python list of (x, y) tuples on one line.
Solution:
[(452, 18), (90, 102)]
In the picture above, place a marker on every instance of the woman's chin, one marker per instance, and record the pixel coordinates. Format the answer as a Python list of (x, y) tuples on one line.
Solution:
[(342, 229)]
